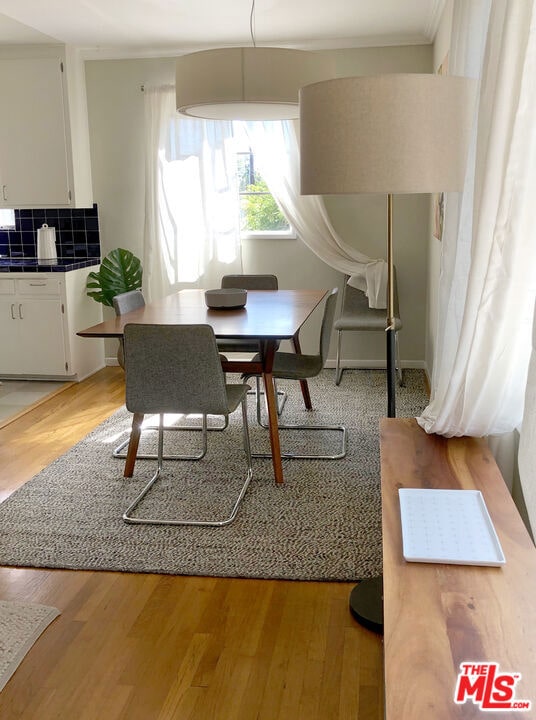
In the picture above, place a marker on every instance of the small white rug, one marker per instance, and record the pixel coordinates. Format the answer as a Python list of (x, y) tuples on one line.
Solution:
[(20, 626)]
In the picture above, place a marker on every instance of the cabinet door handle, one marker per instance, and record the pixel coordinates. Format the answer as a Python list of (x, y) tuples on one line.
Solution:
[(20, 312), (37, 284), (4, 193), (13, 311)]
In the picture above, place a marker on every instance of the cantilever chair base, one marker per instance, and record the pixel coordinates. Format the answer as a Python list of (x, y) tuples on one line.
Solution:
[(133, 520), (297, 456), (339, 369), (118, 452), (281, 396)]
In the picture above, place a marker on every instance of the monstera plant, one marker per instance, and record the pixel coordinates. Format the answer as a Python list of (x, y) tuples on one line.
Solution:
[(120, 271)]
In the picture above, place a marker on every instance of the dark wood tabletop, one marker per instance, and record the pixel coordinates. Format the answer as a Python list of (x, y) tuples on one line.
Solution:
[(268, 314)]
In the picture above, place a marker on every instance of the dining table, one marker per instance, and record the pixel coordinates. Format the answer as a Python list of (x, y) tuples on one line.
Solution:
[(268, 317)]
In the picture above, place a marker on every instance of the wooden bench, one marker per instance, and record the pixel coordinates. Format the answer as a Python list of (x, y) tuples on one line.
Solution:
[(437, 616)]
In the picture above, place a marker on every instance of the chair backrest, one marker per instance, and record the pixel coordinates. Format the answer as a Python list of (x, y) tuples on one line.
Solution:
[(327, 324), (173, 369), (127, 301), (355, 301), (250, 282)]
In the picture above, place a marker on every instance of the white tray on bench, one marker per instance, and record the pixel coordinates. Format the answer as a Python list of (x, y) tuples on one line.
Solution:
[(448, 526)]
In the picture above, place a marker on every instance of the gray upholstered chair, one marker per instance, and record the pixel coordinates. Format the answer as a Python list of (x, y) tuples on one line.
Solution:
[(245, 282), (300, 366), (177, 369), (250, 282), (356, 315), (124, 303)]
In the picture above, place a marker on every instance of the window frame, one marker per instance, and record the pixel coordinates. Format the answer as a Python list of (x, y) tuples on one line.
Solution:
[(5, 223)]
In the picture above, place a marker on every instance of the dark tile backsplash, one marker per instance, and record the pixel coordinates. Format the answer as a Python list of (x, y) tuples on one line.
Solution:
[(77, 233)]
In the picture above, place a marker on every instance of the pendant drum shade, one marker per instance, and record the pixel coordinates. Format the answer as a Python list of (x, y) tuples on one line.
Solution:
[(403, 133), (246, 83)]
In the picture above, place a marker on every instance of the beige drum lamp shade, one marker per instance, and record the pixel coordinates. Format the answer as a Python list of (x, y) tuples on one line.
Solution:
[(246, 83), (385, 134)]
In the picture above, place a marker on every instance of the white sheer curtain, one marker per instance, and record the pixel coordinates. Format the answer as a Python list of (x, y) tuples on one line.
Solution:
[(276, 149), (192, 234), (488, 283)]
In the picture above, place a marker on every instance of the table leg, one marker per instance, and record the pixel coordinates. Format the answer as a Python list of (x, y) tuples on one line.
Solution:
[(137, 420), (267, 353)]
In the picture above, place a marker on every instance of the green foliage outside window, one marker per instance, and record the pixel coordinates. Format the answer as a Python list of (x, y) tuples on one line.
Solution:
[(260, 211), (258, 208)]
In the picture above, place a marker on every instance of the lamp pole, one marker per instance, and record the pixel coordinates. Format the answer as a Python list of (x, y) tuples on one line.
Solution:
[(390, 329), (366, 598)]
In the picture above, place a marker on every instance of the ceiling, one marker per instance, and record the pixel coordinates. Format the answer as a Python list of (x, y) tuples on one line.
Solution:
[(152, 28)]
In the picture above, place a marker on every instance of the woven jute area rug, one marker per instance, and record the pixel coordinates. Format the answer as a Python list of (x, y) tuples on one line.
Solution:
[(20, 626), (323, 523)]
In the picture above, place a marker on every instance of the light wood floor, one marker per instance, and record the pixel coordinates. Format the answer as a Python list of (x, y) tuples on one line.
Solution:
[(154, 647)]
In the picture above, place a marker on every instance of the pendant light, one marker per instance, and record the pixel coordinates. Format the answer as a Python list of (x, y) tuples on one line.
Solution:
[(247, 83)]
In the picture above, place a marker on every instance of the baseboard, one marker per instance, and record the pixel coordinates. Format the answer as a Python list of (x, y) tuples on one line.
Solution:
[(374, 364), (331, 364)]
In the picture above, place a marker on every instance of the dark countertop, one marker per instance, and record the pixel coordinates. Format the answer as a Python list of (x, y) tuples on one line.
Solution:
[(33, 265)]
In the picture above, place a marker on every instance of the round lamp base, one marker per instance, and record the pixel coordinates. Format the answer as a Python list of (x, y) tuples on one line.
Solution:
[(366, 603)]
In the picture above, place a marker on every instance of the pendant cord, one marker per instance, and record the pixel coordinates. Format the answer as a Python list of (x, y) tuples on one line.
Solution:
[(252, 23)]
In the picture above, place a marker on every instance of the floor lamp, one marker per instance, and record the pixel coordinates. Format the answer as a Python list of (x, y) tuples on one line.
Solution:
[(389, 134)]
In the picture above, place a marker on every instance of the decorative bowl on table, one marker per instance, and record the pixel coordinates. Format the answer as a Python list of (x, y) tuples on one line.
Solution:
[(226, 298)]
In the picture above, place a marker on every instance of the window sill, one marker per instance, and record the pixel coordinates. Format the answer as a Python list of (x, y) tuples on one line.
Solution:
[(269, 236)]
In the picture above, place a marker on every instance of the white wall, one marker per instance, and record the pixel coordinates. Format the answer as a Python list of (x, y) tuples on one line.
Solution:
[(115, 107), (441, 47)]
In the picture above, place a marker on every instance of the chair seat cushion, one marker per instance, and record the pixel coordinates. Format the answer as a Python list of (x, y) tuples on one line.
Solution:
[(356, 314), (243, 346), (238, 346), (370, 320), (293, 366)]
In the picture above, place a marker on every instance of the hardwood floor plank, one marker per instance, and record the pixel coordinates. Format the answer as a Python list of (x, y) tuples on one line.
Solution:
[(130, 646)]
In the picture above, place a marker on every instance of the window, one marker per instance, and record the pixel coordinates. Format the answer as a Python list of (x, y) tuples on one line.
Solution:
[(7, 219), (260, 215)]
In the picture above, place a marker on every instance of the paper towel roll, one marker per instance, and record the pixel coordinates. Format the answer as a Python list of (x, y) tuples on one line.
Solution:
[(46, 244)]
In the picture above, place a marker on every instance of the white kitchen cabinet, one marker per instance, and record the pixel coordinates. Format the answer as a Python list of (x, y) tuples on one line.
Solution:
[(40, 314), (44, 141)]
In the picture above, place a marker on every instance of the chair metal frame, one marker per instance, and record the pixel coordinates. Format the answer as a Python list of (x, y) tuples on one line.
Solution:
[(132, 456), (325, 333)]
